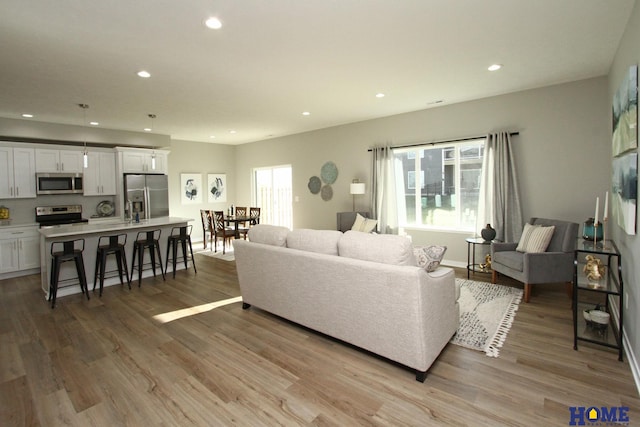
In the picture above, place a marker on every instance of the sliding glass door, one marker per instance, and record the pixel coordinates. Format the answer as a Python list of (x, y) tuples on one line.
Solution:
[(273, 194)]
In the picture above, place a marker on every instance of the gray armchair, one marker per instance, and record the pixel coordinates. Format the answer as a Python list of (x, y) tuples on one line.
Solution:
[(553, 266), (346, 219)]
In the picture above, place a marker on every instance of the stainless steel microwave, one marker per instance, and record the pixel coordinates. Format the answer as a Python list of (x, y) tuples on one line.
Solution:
[(59, 183)]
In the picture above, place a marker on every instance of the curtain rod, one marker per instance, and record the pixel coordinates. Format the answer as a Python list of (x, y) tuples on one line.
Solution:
[(446, 141)]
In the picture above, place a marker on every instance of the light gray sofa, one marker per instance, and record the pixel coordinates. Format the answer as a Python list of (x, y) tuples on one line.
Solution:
[(360, 288)]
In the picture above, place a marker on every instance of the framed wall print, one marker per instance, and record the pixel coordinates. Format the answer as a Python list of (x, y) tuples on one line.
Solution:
[(217, 185), (191, 186)]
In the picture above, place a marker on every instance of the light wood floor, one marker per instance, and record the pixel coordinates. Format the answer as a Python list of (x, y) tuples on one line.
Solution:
[(107, 362)]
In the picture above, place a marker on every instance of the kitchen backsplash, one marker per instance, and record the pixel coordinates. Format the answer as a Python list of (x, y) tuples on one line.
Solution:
[(22, 211)]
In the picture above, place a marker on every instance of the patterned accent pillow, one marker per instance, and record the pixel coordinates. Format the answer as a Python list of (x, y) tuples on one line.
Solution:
[(535, 238), (363, 224), (429, 257)]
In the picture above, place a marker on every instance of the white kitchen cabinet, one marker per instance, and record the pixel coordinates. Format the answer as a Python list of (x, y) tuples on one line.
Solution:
[(99, 178), (141, 161), (17, 172), (19, 249), (48, 160)]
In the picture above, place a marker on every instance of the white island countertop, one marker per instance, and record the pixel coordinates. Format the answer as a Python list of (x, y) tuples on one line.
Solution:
[(106, 227)]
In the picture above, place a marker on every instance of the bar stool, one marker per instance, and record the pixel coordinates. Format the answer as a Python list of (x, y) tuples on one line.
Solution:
[(111, 245), (68, 253), (180, 235), (146, 239)]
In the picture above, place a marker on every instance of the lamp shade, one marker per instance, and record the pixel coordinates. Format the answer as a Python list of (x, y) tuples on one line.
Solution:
[(357, 188)]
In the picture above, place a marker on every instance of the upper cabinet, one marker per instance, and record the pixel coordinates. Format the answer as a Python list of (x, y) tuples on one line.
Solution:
[(17, 172), (48, 160), (99, 178), (143, 161)]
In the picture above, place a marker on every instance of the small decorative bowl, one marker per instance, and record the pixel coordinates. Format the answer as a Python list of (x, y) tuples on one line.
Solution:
[(599, 317)]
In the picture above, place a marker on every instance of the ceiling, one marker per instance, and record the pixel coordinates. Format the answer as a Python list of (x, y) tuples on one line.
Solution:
[(274, 59)]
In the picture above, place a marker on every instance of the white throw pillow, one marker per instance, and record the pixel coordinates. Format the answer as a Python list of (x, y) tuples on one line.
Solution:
[(363, 224), (429, 257), (535, 238)]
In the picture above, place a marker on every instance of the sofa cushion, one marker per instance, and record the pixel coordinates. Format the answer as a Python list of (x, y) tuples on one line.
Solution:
[(429, 257), (535, 238), (364, 224), (383, 248), (269, 234), (320, 241)]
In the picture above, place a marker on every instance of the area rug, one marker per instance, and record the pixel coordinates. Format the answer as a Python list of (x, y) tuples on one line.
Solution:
[(228, 256), (487, 312)]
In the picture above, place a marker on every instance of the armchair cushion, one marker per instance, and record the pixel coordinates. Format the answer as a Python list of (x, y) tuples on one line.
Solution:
[(535, 238), (364, 224), (511, 259)]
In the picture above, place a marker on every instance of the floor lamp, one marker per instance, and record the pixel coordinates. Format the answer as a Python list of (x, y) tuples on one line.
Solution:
[(357, 187)]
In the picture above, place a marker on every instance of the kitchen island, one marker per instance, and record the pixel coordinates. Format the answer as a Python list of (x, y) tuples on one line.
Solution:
[(91, 233)]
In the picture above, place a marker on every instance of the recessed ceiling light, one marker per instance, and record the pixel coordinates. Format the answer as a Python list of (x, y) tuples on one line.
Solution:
[(212, 136), (27, 115), (94, 123), (306, 113), (213, 23), (147, 129), (379, 95), (232, 131), (494, 67), (144, 74)]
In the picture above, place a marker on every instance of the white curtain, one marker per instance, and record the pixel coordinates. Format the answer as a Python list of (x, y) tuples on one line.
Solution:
[(499, 203), (383, 193)]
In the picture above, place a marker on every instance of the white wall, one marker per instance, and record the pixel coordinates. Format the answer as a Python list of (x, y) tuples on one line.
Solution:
[(561, 153), (628, 54)]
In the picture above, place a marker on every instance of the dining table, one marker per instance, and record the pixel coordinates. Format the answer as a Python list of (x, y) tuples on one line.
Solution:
[(236, 220)]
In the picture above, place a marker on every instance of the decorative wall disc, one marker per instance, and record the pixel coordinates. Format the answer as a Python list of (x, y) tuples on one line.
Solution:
[(314, 185), (329, 173), (326, 193)]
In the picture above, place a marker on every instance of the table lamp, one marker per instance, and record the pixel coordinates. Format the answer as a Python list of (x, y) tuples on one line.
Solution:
[(356, 187)]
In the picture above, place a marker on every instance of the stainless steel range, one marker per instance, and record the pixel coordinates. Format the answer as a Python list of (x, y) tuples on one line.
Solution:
[(49, 216)]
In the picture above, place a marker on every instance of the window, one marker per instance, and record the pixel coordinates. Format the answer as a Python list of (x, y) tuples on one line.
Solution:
[(447, 195), (272, 193)]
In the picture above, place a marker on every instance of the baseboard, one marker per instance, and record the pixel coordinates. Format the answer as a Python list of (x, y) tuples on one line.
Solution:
[(458, 264), (628, 351)]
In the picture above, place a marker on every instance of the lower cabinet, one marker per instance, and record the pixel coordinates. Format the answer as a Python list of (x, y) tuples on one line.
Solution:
[(19, 249)]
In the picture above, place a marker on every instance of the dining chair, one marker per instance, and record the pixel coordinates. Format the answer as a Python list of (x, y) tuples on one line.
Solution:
[(220, 230), (207, 226), (254, 214), (242, 225)]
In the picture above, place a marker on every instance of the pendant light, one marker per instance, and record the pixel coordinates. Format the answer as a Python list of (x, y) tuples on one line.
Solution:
[(85, 157), (153, 153)]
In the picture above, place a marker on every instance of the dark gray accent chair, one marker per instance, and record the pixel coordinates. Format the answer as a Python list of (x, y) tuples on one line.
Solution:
[(346, 219), (553, 266)]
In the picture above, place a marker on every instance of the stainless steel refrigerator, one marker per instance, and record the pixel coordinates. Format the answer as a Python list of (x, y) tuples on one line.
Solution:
[(146, 195)]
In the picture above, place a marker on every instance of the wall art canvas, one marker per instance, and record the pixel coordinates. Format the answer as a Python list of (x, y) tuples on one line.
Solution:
[(625, 191), (217, 185), (191, 188), (625, 114), (625, 153)]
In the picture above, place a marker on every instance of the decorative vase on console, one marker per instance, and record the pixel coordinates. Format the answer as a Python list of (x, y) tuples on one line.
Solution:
[(589, 229), (488, 233)]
